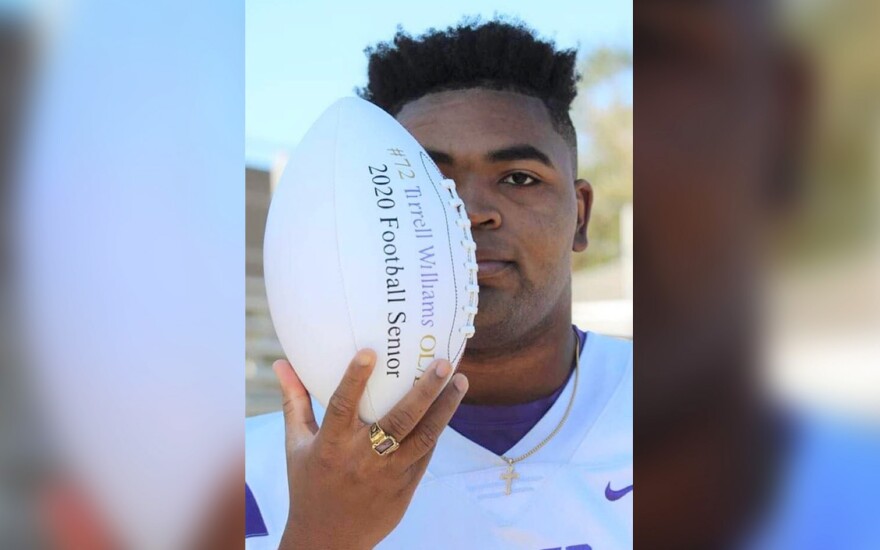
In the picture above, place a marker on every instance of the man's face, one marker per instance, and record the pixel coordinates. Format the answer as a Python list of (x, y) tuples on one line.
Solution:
[(514, 172)]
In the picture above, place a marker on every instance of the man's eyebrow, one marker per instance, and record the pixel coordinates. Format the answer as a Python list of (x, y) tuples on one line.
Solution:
[(519, 152), (439, 157)]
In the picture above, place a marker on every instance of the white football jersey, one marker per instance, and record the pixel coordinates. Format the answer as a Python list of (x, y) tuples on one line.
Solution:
[(575, 493)]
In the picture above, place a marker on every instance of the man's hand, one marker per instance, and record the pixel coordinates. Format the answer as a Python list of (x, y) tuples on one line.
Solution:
[(342, 494)]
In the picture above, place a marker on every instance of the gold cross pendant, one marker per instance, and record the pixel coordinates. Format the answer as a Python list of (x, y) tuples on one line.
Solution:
[(509, 476)]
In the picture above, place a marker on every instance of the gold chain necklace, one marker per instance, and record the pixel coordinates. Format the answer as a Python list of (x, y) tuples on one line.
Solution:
[(511, 474)]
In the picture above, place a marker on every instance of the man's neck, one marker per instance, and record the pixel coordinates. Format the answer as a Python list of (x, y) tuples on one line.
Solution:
[(534, 368)]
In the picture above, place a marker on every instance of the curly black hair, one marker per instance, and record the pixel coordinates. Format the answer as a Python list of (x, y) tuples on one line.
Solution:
[(497, 55)]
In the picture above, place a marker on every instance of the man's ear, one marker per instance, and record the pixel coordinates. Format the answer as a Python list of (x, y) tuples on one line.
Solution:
[(584, 194)]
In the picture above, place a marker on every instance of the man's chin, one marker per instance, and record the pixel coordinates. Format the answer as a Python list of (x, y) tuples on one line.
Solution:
[(492, 328)]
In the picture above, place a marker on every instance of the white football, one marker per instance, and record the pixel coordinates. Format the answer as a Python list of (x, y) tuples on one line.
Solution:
[(367, 246)]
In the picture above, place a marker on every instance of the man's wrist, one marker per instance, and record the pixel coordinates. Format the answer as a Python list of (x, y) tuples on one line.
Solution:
[(296, 537)]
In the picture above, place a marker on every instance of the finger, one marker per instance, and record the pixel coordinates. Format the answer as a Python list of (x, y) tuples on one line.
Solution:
[(299, 418), (423, 438), (342, 408), (402, 419)]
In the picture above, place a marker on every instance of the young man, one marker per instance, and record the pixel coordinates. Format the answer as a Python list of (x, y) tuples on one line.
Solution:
[(530, 446)]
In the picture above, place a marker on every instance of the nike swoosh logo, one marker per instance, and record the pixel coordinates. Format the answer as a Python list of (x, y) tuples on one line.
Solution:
[(612, 494)]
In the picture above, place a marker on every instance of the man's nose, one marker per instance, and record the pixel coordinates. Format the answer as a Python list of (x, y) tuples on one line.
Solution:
[(479, 201)]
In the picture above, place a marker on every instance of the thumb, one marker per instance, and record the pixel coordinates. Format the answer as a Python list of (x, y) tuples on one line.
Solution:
[(299, 418)]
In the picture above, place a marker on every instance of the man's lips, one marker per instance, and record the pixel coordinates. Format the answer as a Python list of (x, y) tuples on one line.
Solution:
[(492, 268)]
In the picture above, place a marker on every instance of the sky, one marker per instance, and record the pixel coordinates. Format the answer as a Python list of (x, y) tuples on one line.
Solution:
[(303, 55)]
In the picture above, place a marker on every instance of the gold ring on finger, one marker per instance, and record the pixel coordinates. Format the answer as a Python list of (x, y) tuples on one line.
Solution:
[(382, 443)]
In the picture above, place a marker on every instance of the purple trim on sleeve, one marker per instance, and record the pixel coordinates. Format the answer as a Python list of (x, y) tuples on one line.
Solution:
[(499, 428), (254, 526)]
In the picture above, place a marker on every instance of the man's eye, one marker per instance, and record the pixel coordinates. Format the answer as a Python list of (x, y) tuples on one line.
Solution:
[(521, 179)]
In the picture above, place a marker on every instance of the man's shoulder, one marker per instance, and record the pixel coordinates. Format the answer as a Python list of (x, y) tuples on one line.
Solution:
[(265, 457), (608, 361), (264, 427), (266, 480), (604, 410), (615, 349), (262, 422), (264, 449)]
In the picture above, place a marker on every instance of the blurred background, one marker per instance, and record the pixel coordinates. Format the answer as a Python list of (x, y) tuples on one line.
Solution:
[(302, 56), (757, 399), (121, 394), (823, 308)]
